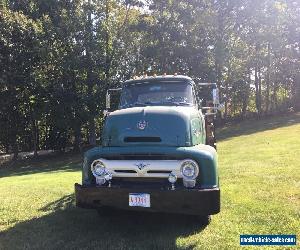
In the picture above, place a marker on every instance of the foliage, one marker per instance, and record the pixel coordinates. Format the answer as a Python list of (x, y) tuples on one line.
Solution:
[(58, 58)]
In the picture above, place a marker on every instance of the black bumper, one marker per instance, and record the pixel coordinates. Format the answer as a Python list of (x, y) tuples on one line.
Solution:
[(184, 201)]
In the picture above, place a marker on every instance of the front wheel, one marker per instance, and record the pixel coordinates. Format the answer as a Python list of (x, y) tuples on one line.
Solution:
[(204, 219)]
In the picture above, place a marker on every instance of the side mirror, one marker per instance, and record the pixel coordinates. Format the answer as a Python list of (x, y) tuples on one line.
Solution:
[(112, 100), (221, 107), (107, 100), (105, 113), (216, 97), (209, 95)]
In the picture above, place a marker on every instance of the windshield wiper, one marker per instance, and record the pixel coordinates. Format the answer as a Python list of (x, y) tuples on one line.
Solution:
[(138, 104), (143, 104), (177, 103), (185, 103)]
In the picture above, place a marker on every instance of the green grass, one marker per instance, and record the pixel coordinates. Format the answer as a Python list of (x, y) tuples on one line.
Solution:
[(260, 181)]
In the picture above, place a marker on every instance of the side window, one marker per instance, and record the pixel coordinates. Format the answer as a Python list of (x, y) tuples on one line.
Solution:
[(196, 130)]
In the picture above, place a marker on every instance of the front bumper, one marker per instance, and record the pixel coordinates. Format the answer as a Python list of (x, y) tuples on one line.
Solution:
[(182, 200)]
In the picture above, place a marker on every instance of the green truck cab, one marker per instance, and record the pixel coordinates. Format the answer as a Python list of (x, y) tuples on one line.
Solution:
[(158, 151)]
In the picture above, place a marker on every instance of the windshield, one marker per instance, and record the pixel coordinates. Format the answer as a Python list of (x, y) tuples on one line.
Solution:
[(158, 93)]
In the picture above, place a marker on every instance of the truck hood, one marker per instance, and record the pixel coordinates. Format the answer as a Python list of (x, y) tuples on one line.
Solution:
[(151, 125)]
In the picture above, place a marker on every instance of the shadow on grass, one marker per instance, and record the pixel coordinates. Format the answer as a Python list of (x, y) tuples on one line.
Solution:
[(65, 162), (248, 127), (68, 227)]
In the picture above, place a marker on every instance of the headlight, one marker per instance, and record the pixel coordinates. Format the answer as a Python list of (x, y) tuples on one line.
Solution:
[(98, 168), (189, 169)]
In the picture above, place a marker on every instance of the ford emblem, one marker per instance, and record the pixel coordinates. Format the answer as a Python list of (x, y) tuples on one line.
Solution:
[(142, 125), (141, 165)]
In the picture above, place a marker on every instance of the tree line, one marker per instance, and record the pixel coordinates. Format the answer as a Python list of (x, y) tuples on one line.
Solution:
[(58, 58)]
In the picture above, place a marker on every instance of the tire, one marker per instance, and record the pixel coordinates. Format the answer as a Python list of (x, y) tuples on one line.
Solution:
[(204, 219)]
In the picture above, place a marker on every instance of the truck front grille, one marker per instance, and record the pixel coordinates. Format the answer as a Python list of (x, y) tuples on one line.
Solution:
[(126, 168)]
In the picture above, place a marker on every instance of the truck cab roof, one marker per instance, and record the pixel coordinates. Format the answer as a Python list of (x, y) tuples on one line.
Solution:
[(160, 78)]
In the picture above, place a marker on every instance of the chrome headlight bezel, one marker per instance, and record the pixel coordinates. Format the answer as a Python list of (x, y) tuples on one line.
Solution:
[(188, 163), (98, 168)]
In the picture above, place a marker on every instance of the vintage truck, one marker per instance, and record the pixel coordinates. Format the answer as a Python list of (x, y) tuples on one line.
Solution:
[(158, 150)]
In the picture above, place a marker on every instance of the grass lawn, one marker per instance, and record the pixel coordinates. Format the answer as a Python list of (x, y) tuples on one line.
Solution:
[(260, 181)]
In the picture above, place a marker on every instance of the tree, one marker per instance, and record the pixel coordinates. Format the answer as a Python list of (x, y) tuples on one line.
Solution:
[(59, 57), (19, 56)]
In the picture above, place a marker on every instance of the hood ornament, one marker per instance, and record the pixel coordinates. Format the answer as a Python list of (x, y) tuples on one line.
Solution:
[(141, 165), (141, 125)]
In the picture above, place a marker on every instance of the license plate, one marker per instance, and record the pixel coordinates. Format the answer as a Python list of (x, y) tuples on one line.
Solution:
[(139, 200)]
